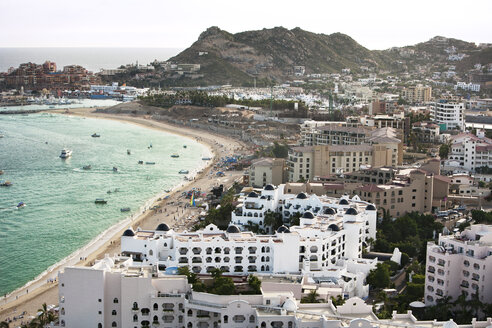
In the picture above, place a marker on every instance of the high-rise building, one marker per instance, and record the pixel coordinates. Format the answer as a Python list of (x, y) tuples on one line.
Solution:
[(449, 114)]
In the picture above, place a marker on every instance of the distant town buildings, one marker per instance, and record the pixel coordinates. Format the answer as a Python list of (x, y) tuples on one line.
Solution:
[(470, 151), (418, 94), (37, 77), (264, 171)]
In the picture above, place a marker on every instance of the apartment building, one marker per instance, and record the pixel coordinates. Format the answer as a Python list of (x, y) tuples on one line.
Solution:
[(469, 151), (115, 293), (449, 114), (460, 264), (417, 94), (426, 132), (308, 162), (333, 133), (397, 121), (264, 171)]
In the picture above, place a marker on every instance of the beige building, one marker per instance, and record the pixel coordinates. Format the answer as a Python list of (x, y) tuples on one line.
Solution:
[(397, 191), (418, 94), (305, 163), (265, 171)]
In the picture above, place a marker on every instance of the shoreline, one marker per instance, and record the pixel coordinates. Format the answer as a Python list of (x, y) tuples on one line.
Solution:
[(107, 242)]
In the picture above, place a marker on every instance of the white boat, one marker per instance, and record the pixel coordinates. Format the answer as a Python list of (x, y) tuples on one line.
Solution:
[(65, 153), (95, 135), (184, 172)]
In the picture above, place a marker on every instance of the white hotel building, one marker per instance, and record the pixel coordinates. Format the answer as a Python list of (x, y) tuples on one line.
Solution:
[(116, 293), (470, 151), (459, 264), (449, 113)]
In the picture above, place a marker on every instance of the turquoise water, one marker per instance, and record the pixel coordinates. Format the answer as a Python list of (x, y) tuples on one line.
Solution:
[(60, 215)]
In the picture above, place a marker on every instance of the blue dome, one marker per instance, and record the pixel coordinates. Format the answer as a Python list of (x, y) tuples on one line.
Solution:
[(283, 229), (351, 211), (253, 194), (262, 197), (233, 229), (343, 201), (308, 215), (329, 211), (301, 196), (128, 233), (162, 227), (269, 187), (370, 207), (333, 227)]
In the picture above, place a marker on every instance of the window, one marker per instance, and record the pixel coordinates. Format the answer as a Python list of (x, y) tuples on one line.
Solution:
[(113, 312), (115, 300), (114, 324)]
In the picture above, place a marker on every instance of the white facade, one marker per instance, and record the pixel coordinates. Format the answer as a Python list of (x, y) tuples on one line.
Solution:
[(115, 293), (449, 113), (460, 264), (469, 152)]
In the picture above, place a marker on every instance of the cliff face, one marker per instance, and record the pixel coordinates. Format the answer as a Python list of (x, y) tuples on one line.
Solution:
[(271, 54)]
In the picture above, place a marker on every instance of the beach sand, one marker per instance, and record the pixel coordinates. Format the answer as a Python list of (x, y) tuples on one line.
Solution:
[(173, 211)]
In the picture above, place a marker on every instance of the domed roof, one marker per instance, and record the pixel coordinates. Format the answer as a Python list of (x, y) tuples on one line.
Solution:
[(162, 227), (333, 227), (269, 187), (301, 196), (283, 229), (252, 194), (262, 197), (289, 305), (343, 201), (351, 211), (370, 207), (128, 233), (233, 229), (329, 211), (308, 215)]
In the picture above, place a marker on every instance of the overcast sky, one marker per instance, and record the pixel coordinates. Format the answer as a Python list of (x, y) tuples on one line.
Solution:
[(178, 23)]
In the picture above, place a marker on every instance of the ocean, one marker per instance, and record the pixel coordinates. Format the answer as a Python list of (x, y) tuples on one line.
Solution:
[(92, 59), (60, 215)]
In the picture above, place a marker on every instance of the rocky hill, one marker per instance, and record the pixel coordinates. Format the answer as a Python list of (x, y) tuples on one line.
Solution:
[(271, 54)]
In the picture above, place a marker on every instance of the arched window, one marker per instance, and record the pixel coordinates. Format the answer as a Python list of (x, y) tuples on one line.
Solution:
[(251, 319), (263, 324), (135, 318), (113, 312), (155, 319), (156, 307), (226, 319), (114, 324), (190, 325), (115, 300), (190, 313), (289, 325), (99, 325), (135, 306)]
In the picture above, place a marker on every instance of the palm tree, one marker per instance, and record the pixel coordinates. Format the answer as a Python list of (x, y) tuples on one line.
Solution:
[(43, 316), (312, 297)]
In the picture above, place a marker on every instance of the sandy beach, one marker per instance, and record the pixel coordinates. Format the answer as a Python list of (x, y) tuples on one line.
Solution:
[(173, 211)]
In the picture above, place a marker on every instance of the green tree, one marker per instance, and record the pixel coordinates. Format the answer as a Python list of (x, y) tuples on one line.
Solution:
[(338, 301), (272, 220), (4, 324), (223, 286), (444, 151), (312, 297), (255, 284), (380, 277)]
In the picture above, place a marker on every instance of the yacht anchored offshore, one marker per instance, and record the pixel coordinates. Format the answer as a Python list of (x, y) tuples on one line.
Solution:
[(65, 153)]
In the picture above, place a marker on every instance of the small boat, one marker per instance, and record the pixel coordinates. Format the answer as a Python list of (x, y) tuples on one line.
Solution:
[(150, 163), (140, 162), (21, 204), (115, 169), (206, 158), (128, 152), (184, 172), (95, 135), (174, 155), (87, 167), (184, 146), (125, 209), (100, 201), (4, 183), (65, 153)]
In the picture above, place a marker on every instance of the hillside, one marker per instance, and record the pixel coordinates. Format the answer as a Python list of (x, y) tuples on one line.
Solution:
[(271, 54)]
